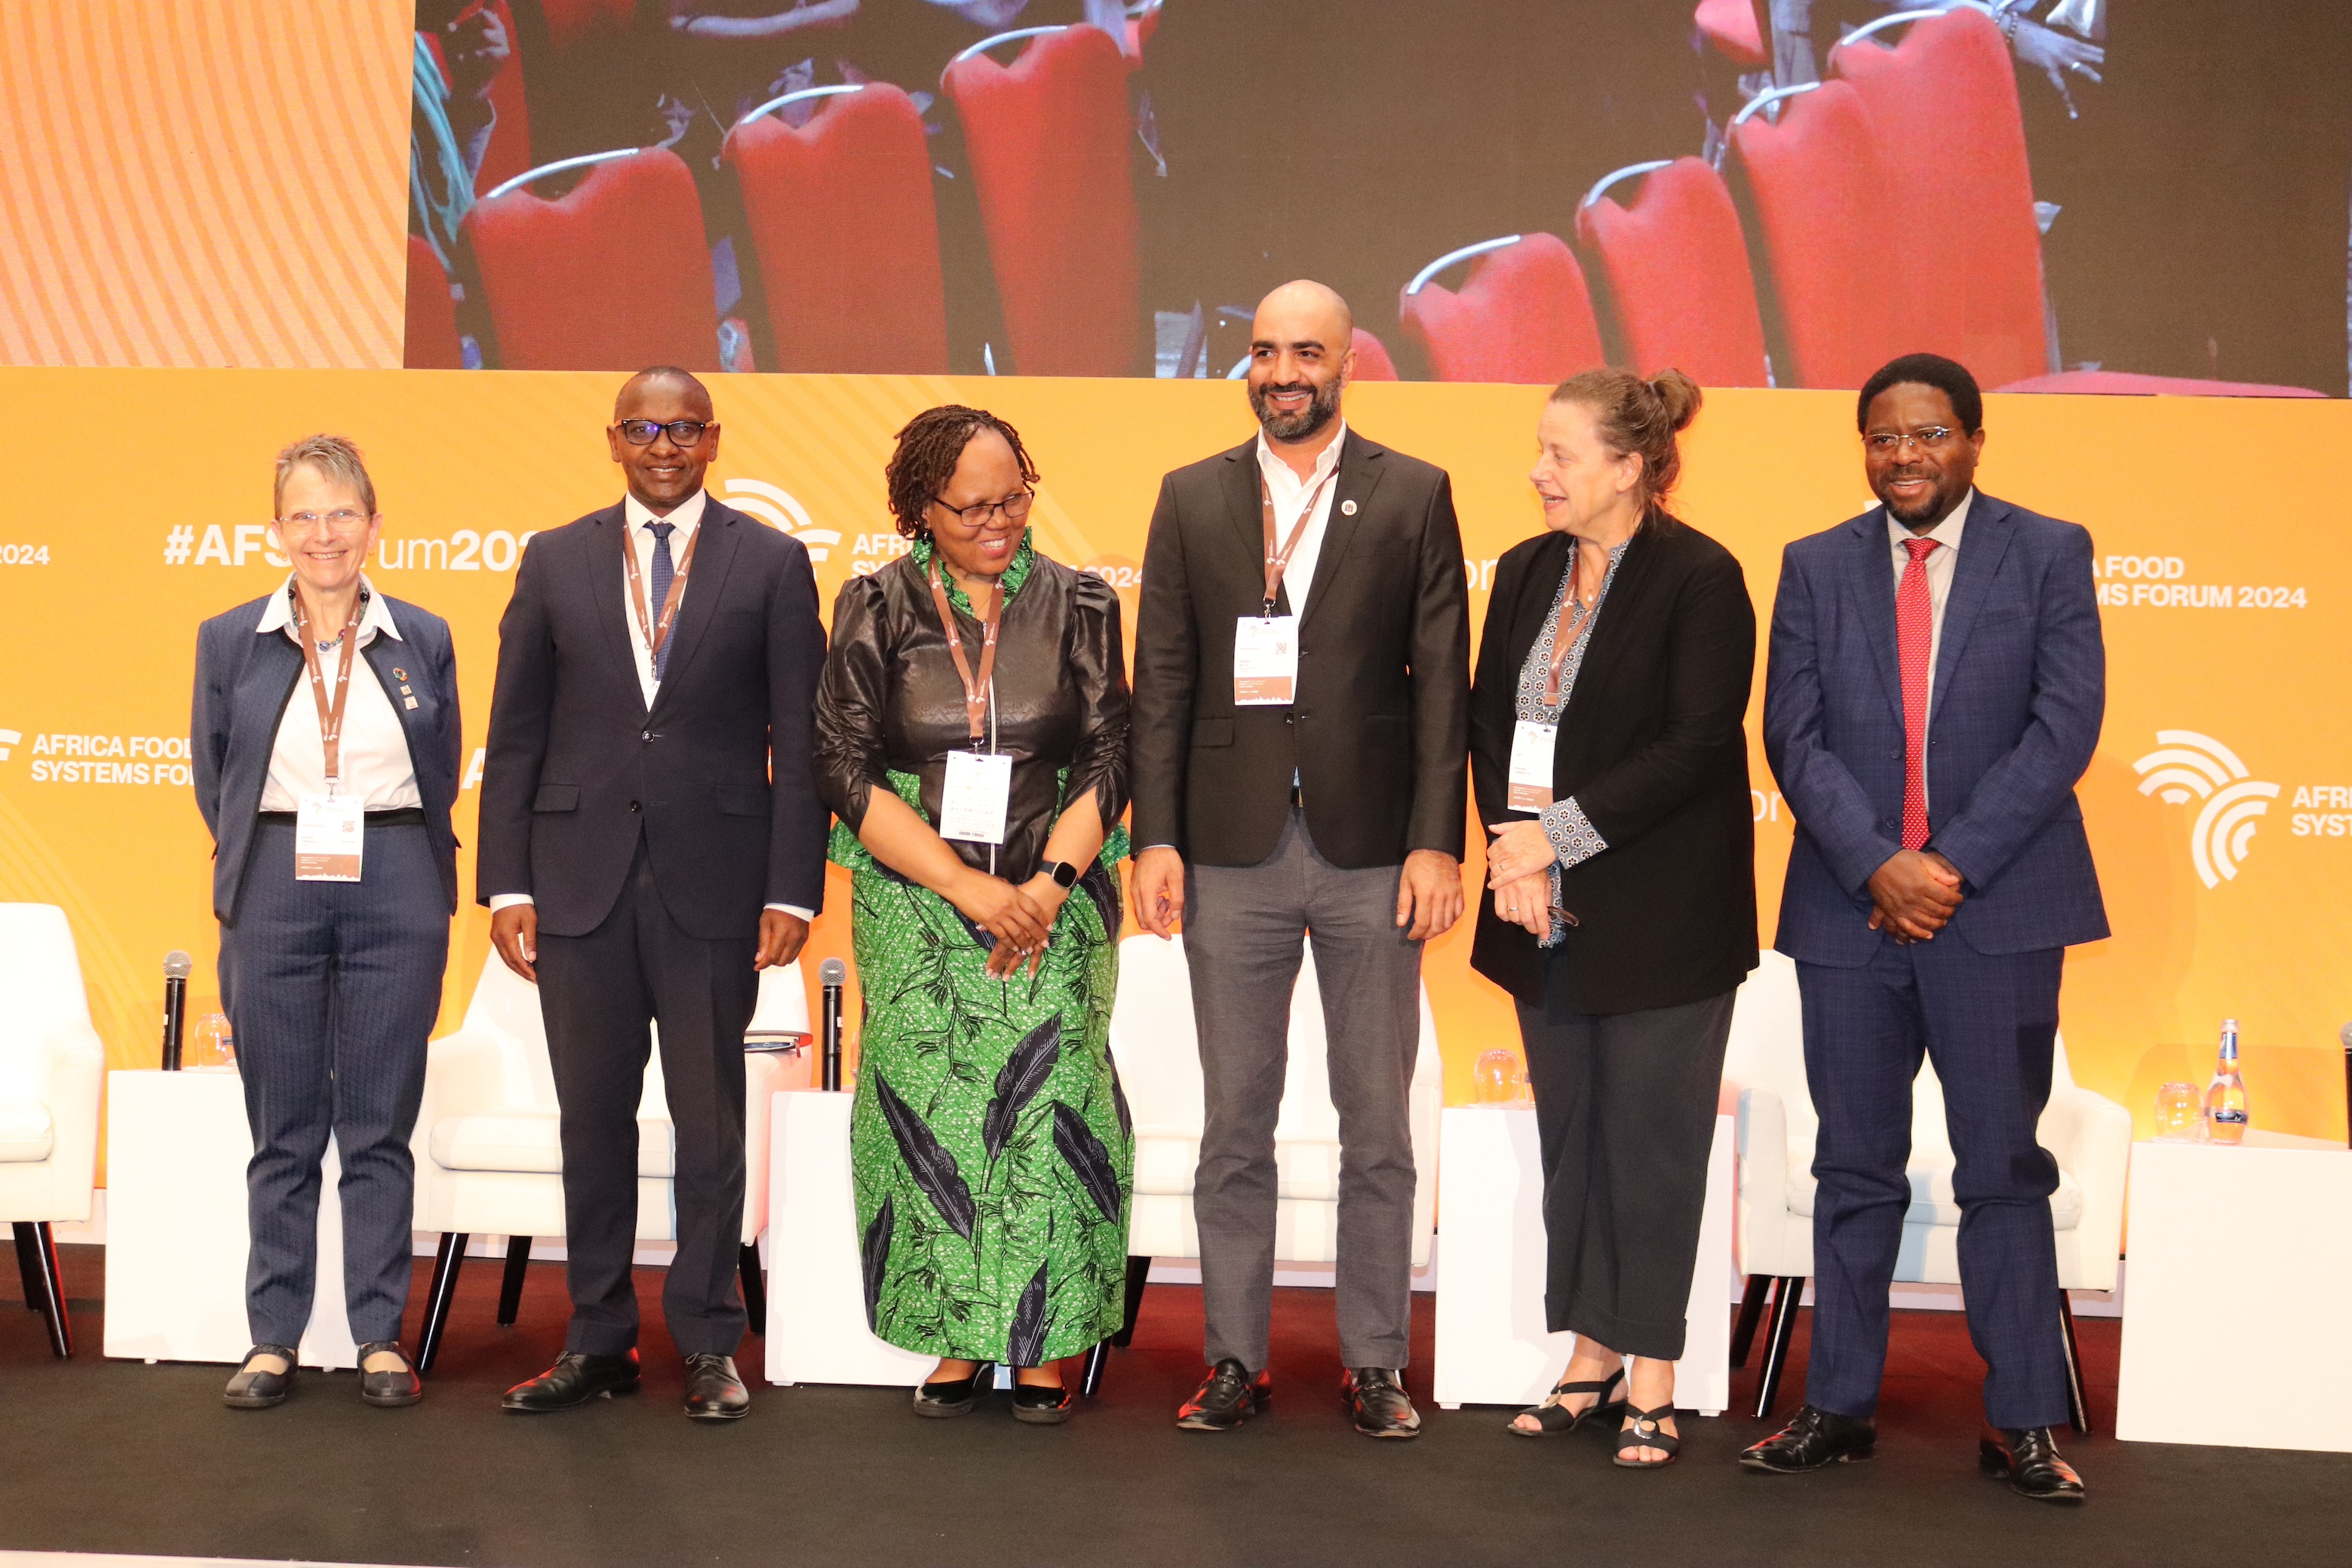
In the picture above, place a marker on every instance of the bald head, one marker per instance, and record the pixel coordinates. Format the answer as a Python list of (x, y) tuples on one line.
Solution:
[(666, 384), (1301, 354), (1304, 309)]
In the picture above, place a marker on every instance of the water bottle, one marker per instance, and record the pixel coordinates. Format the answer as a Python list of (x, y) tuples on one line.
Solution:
[(2225, 1097)]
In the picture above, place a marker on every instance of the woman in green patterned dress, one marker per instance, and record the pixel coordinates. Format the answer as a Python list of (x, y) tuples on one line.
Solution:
[(979, 782)]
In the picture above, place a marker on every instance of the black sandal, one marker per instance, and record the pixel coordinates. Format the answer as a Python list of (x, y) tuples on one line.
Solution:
[(1645, 1432), (950, 1396), (1041, 1404), (1553, 1417)]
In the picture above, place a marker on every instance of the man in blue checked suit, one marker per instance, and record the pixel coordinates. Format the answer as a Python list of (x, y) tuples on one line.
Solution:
[(1934, 689)]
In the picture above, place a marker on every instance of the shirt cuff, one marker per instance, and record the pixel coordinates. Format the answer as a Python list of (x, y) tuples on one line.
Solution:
[(1573, 837), (792, 909), (509, 900)]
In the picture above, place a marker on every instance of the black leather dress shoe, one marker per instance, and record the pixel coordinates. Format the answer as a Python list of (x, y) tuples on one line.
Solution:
[(253, 1389), (1814, 1440), (2030, 1460), (1376, 1398), (574, 1379), (713, 1392), (1228, 1397), (391, 1389)]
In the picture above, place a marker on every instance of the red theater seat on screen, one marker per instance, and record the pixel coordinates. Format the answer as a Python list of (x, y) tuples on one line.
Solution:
[(1047, 140), (1523, 315), (1373, 361), (1730, 26), (430, 342), (612, 276), (2125, 384), (1674, 271), (1821, 205), (844, 234)]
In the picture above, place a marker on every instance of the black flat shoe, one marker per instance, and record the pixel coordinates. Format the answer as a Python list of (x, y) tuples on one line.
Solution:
[(1040, 1406), (253, 1389), (2029, 1459), (1642, 1430), (1226, 1398), (389, 1389), (574, 1380), (1812, 1439), (1376, 1398), (950, 1396), (713, 1391), (1553, 1417)]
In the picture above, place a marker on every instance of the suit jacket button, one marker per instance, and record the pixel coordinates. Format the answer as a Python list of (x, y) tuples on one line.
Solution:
[(634, 806), (645, 734)]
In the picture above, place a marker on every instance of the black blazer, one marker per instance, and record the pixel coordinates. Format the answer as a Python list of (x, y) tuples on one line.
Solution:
[(245, 679), (577, 767), (1377, 734), (1652, 746)]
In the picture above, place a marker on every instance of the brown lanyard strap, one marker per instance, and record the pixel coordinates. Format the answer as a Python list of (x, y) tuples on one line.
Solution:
[(330, 711), (656, 632), (975, 690), (1562, 632), (1277, 561)]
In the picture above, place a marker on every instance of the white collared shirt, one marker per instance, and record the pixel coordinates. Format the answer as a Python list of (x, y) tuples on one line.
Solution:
[(1290, 493), (376, 766), (638, 535), (1940, 565)]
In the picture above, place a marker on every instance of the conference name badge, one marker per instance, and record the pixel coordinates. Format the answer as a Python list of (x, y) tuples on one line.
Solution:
[(1531, 774), (329, 831), (977, 796), (1266, 661)]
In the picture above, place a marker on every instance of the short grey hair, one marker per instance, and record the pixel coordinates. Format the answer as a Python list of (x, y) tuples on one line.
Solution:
[(335, 456)]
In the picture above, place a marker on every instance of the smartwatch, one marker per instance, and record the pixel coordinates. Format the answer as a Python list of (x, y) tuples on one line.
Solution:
[(1064, 875)]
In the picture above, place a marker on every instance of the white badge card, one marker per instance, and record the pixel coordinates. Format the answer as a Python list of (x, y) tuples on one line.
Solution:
[(1266, 661), (1531, 749), (329, 831), (977, 796)]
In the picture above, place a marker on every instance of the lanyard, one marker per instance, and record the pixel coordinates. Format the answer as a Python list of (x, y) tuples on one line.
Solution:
[(331, 713), (975, 691), (657, 632), (1573, 614), (1276, 561)]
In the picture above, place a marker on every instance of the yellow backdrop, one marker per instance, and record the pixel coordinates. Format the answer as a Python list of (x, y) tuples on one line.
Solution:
[(2226, 583)]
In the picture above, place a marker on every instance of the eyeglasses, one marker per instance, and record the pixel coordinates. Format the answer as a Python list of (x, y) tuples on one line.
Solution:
[(1887, 443), (342, 520), (682, 432), (1014, 507)]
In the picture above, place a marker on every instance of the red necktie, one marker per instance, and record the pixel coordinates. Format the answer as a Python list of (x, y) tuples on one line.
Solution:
[(1915, 643)]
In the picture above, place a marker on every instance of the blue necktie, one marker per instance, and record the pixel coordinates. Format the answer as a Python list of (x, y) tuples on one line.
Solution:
[(663, 571)]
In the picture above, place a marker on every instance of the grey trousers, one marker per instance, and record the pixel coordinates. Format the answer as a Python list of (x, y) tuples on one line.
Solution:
[(1244, 930)]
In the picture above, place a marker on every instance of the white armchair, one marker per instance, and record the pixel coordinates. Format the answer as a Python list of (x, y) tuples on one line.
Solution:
[(490, 1159), (1158, 1055), (2089, 1135), (52, 1067)]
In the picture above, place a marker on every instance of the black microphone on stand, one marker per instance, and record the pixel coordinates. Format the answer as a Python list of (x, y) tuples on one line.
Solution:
[(176, 966), (833, 974)]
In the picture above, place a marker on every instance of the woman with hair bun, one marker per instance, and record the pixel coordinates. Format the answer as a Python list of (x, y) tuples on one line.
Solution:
[(1611, 766)]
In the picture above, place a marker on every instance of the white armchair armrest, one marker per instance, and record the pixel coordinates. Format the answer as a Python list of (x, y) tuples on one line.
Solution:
[(2090, 1136), (1761, 1145)]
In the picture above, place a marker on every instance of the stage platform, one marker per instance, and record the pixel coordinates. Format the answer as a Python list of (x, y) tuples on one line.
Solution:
[(103, 1456)]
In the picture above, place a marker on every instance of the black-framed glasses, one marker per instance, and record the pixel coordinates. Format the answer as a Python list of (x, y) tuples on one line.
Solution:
[(1887, 442), (682, 432), (1014, 507)]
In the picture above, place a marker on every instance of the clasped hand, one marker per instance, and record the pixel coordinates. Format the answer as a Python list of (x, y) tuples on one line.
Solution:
[(1020, 918), (1914, 894), (1518, 866)]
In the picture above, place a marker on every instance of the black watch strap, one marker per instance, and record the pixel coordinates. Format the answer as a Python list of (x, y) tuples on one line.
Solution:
[(1063, 873)]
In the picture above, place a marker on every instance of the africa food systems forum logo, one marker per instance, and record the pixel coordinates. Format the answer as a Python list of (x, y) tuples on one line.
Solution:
[(2186, 767)]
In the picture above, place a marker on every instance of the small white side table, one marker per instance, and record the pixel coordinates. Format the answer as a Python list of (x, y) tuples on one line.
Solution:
[(2238, 1256), (177, 1145), (817, 1296), (1492, 1346)]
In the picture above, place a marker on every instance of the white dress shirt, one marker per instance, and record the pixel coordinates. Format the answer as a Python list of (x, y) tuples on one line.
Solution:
[(376, 766), (1939, 573), (637, 538), (1290, 493)]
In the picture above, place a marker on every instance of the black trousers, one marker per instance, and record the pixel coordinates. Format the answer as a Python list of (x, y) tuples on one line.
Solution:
[(1625, 1118), (598, 993)]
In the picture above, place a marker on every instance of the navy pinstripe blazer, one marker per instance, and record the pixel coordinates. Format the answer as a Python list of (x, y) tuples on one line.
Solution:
[(2020, 690)]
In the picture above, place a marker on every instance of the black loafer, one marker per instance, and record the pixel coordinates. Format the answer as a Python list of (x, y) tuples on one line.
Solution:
[(949, 1396), (389, 1389), (713, 1392), (574, 1380), (1040, 1406), (1812, 1439), (1228, 1397), (253, 1389), (2028, 1459), (1375, 1396)]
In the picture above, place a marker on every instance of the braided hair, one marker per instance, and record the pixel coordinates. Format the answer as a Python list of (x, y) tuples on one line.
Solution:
[(929, 449)]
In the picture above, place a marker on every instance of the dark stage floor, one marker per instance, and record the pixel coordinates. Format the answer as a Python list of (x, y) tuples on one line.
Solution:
[(101, 1455)]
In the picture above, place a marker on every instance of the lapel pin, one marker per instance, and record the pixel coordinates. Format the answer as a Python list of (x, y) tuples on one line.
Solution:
[(1347, 508), (398, 674), (411, 702)]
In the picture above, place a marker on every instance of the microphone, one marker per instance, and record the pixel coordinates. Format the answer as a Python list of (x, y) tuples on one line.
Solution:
[(176, 967), (2344, 1034), (833, 974)]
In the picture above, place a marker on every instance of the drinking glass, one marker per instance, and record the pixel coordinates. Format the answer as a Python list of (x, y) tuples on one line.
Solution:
[(2180, 1113), (1498, 1079), (211, 1046)]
